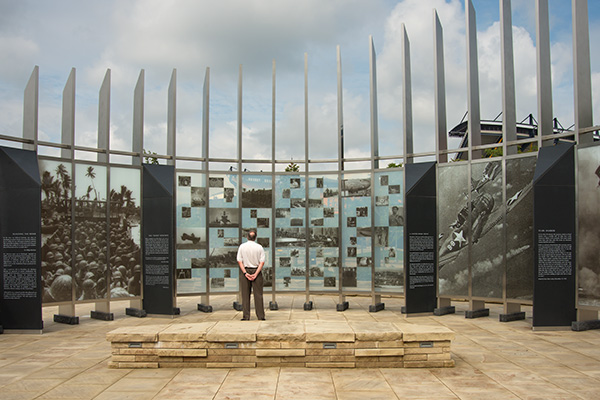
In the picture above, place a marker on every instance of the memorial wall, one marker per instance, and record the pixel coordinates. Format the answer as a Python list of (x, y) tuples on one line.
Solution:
[(341, 232), (511, 229)]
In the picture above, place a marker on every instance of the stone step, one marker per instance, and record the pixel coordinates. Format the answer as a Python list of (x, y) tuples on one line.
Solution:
[(298, 343)]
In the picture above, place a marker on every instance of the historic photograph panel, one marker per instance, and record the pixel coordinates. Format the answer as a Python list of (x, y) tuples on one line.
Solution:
[(453, 255), (125, 231), (487, 229), (519, 228), (191, 231), (258, 218), (388, 239), (257, 191), (356, 240), (290, 235), (91, 265), (57, 279)]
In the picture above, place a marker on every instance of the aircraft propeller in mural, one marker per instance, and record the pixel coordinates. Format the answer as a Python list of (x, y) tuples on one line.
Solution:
[(485, 216)]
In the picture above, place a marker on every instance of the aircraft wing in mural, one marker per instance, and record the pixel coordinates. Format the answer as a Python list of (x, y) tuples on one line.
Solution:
[(486, 217)]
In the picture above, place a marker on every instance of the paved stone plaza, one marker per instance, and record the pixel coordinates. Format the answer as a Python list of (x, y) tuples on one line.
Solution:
[(493, 361)]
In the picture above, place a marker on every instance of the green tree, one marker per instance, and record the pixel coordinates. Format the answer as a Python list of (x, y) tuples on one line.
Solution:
[(495, 152), (292, 167), (148, 157)]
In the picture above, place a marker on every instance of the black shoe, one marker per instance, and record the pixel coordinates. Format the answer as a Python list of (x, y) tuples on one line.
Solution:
[(262, 319), (244, 319)]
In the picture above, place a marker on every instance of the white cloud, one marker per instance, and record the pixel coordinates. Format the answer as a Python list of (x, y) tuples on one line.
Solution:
[(20, 51), (190, 36)]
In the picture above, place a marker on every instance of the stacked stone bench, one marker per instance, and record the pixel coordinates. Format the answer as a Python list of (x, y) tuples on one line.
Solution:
[(296, 343)]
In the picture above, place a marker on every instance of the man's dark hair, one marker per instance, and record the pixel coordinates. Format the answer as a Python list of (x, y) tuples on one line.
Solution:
[(252, 235)]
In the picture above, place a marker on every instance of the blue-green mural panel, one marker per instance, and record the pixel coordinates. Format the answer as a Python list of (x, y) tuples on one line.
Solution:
[(388, 239), (191, 241), (257, 201), (224, 224), (323, 201), (357, 255), (290, 233)]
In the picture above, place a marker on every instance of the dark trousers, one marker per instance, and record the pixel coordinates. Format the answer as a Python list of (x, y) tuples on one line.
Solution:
[(247, 288)]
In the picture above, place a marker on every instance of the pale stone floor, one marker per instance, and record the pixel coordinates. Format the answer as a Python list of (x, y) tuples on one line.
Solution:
[(494, 360)]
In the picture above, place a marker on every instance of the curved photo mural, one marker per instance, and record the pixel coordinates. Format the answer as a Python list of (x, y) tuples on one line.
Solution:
[(519, 227), (125, 216), (453, 229), (57, 270), (357, 255), (323, 212), (388, 239), (224, 224), (191, 240), (257, 201), (487, 229), (290, 233)]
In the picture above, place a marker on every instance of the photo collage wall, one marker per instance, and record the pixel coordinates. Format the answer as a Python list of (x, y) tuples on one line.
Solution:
[(257, 203), (192, 203), (91, 230), (223, 231), (323, 212), (388, 239), (290, 233), (357, 254)]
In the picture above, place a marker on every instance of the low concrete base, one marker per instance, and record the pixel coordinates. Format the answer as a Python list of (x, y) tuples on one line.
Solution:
[(135, 312), (376, 307), (482, 312), (342, 306), (579, 326), (205, 308), (103, 316), (273, 306), (308, 306), (66, 319), (444, 310), (237, 306), (517, 316), (560, 328), (294, 343)]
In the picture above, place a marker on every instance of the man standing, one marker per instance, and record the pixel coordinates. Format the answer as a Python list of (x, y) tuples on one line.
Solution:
[(251, 258)]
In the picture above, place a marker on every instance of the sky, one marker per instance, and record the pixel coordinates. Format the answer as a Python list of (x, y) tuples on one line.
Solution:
[(190, 36)]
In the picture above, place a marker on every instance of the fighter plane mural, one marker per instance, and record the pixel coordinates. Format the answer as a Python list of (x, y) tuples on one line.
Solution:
[(486, 213)]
